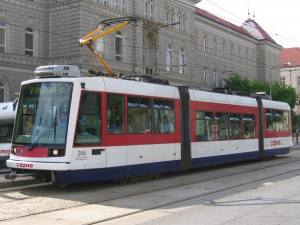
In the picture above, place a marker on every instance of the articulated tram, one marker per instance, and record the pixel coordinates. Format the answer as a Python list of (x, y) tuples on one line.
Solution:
[(72, 129)]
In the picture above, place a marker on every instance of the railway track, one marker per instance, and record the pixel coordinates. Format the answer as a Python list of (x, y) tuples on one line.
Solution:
[(23, 201)]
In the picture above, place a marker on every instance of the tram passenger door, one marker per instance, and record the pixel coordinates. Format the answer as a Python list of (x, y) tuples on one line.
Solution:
[(114, 132), (89, 140)]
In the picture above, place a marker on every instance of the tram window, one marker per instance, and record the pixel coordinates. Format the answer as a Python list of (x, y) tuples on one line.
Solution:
[(88, 128), (286, 121), (275, 120), (204, 126), (235, 125), (139, 115), (249, 125), (222, 126), (115, 114), (164, 116)]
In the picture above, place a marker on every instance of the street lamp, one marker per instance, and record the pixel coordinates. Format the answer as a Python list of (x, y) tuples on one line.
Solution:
[(270, 78)]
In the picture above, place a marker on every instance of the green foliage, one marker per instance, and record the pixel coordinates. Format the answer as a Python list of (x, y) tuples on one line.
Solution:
[(280, 92)]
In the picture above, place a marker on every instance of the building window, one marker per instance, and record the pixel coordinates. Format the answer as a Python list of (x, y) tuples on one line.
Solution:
[(105, 2), (169, 55), (149, 9), (215, 47), (282, 80), (298, 81), (223, 49), (184, 19), (29, 42), (180, 21), (205, 76), (118, 46), (223, 80), (172, 16), (205, 44), (215, 79), (231, 51), (181, 60), (117, 4), (2, 92), (167, 14), (2, 36), (150, 54)]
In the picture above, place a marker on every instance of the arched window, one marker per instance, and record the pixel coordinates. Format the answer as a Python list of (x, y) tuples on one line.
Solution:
[(29, 42), (2, 92), (181, 60), (2, 36), (118, 46), (169, 56)]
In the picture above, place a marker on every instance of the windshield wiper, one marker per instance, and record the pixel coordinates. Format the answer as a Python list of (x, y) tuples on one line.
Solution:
[(37, 141)]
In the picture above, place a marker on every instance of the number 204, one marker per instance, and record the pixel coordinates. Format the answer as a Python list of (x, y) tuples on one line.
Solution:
[(81, 153)]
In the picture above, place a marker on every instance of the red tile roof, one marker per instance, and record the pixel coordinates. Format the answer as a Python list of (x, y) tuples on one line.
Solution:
[(291, 55), (249, 28)]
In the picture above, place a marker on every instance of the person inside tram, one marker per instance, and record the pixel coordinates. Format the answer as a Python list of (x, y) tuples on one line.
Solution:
[(167, 127), (63, 119), (135, 126)]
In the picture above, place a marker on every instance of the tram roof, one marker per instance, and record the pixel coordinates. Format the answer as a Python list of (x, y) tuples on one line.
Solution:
[(204, 96)]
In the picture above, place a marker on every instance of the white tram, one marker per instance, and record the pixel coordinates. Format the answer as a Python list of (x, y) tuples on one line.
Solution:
[(72, 129)]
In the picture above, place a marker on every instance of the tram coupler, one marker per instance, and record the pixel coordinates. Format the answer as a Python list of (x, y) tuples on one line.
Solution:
[(13, 175)]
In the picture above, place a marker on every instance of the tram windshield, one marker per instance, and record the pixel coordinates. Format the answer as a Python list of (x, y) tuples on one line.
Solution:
[(42, 117)]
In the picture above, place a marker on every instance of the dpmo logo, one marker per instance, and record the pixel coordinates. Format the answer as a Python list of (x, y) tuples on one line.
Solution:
[(24, 165)]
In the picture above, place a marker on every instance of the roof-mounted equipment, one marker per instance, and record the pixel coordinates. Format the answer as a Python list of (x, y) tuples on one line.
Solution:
[(57, 71)]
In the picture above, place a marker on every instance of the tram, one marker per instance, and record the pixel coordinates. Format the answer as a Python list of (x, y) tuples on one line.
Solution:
[(7, 119), (72, 129)]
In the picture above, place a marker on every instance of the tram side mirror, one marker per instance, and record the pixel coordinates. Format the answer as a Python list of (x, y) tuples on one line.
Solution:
[(15, 104)]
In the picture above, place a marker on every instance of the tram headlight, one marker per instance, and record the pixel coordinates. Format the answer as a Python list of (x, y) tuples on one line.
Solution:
[(56, 152), (13, 150)]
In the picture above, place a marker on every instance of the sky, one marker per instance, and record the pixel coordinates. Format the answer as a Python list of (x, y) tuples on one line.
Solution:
[(280, 19)]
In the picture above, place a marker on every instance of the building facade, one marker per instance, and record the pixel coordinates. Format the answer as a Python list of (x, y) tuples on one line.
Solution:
[(174, 41), (290, 70)]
